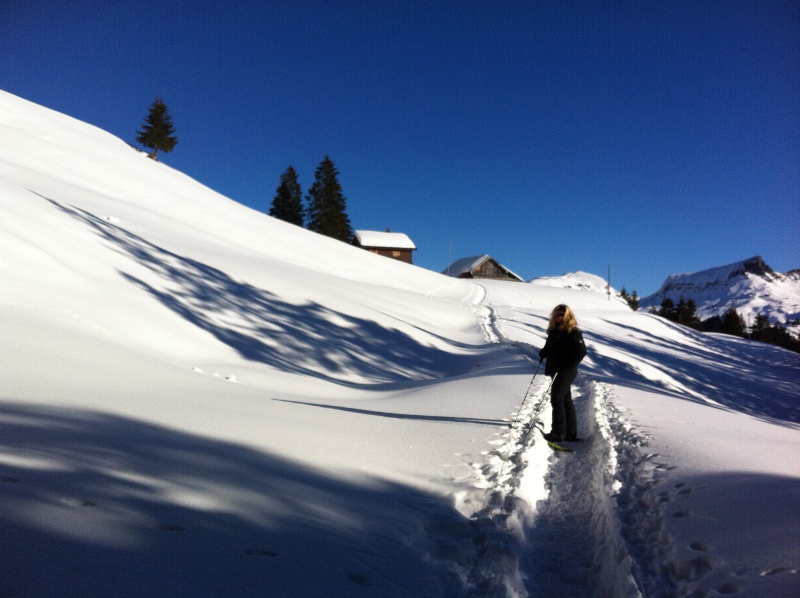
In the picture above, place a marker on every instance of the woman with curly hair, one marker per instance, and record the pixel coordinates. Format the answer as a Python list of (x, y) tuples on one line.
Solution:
[(563, 350)]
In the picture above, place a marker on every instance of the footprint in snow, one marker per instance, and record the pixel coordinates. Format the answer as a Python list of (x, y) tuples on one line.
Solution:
[(262, 552), (732, 587), (79, 502), (172, 527), (359, 579)]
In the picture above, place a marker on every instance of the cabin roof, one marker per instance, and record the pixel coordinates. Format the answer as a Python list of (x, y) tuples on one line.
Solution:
[(468, 264), (381, 240)]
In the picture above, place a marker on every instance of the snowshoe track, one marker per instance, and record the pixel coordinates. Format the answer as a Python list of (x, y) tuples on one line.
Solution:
[(587, 536), (575, 547)]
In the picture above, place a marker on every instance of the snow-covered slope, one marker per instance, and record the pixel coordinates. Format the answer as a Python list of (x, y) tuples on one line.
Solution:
[(751, 287), (582, 281), (198, 400)]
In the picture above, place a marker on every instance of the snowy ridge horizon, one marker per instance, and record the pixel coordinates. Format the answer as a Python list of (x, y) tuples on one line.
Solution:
[(749, 286)]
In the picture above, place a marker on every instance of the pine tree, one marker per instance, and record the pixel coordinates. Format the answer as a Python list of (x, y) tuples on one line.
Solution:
[(733, 323), (327, 205), (667, 309), (288, 202), (158, 132), (686, 313), (774, 334), (633, 301), (761, 323)]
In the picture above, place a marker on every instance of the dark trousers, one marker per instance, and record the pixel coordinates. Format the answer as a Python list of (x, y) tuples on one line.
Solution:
[(564, 421)]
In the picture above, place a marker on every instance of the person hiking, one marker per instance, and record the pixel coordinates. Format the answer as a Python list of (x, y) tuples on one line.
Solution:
[(564, 349)]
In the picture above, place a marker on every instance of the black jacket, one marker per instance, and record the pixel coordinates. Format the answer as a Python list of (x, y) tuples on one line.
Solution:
[(563, 350)]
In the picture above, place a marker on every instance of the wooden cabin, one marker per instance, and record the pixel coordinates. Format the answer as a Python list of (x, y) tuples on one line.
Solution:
[(481, 266), (394, 245)]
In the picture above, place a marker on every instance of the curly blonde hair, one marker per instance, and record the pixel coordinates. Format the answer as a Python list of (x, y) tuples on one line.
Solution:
[(569, 323)]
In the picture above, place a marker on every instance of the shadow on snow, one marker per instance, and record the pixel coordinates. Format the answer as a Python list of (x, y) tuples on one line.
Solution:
[(745, 376), (101, 505), (308, 338), (409, 416)]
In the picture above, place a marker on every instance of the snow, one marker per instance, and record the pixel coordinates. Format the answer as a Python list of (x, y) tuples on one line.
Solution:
[(199, 400), (576, 280), (465, 265), (750, 287), (387, 240)]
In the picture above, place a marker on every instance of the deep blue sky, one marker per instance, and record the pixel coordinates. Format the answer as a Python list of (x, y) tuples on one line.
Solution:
[(656, 137)]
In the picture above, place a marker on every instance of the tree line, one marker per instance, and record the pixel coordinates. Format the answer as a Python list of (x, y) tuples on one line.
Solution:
[(731, 322), (325, 211)]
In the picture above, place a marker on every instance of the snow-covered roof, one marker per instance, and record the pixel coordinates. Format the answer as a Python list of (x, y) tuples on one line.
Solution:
[(468, 264), (465, 264), (378, 239)]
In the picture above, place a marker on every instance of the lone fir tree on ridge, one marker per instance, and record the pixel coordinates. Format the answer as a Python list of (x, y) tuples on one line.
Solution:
[(158, 132)]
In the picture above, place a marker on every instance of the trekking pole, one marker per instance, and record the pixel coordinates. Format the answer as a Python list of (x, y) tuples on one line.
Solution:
[(516, 417), (542, 401)]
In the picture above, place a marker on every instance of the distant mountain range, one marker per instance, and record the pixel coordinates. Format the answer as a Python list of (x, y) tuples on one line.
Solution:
[(751, 287)]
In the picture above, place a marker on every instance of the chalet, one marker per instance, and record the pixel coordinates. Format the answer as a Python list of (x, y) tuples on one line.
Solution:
[(388, 244), (481, 266)]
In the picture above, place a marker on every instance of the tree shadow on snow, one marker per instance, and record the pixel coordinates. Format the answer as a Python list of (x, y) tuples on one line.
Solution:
[(307, 338), (748, 377), (97, 505)]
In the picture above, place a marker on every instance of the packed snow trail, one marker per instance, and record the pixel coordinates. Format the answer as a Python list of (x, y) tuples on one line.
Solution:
[(574, 546), (569, 541)]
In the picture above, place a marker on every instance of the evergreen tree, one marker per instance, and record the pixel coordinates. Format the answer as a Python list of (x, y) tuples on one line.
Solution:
[(686, 313), (157, 132), (774, 334), (633, 301), (326, 204), (712, 324), (761, 324), (288, 202), (667, 309), (733, 323)]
